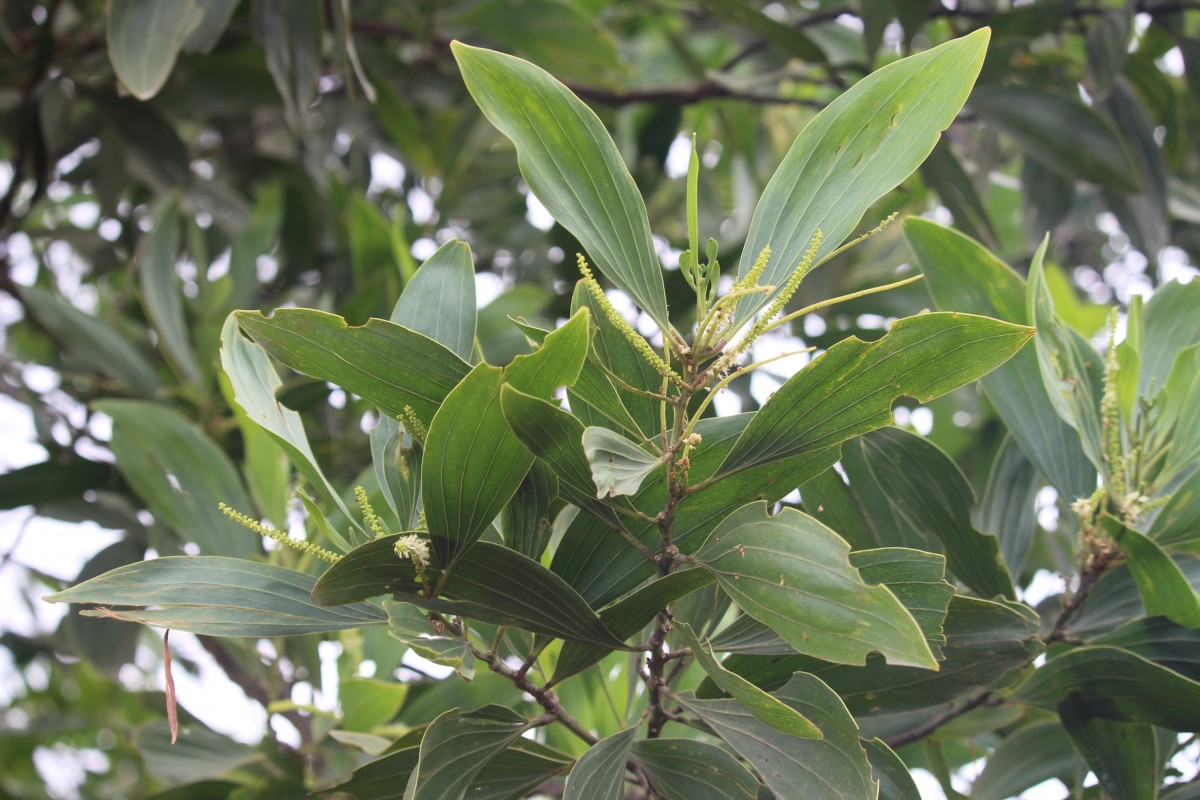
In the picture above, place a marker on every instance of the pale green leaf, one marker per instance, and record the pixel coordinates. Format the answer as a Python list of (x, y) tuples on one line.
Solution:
[(439, 300), (618, 465), (144, 39)]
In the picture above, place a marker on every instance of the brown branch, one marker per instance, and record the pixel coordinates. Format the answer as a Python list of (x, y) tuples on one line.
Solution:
[(981, 698)]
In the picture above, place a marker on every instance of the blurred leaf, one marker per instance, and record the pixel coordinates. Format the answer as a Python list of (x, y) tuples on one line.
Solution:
[(369, 702), (1086, 318), (291, 37), (855, 151), (895, 781), (946, 176), (1035, 753), (1035, 119), (92, 341), (106, 643), (599, 773), (818, 603), (216, 596), (51, 481), (1177, 525), (787, 39), (963, 275), (834, 766), (199, 754), (162, 291), (1107, 47), (181, 474), (215, 18), (573, 167), (144, 39), (1047, 197), (682, 769), (473, 463), (439, 301), (1143, 215)]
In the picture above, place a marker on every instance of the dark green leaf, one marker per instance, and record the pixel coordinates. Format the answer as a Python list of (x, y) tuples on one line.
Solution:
[(1116, 685), (1025, 758), (291, 37), (682, 769), (1159, 640), (849, 389), (1161, 583), (895, 781), (473, 463), (1124, 757), (216, 596), (457, 745), (962, 274), (1008, 509), (1035, 119), (1143, 215), (572, 165), (765, 708), (855, 151), (50, 481), (526, 522), (599, 773), (199, 753), (946, 176), (106, 643), (439, 301), (834, 766), (793, 573), (391, 366), (490, 583), (397, 470)]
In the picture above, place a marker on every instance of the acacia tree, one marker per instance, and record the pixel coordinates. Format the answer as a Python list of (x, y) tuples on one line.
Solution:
[(623, 547)]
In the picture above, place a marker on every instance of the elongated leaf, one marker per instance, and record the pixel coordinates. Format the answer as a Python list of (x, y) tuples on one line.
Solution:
[(490, 583), (895, 781), (1143, 215), (1033, 754), (439, 301), (1115, 600), (97, 346), (1071, 371), (572, 165), (763, 706), (854, 152), (526, 521), (397, 470), (291, 37), (255, 384), (391, 366), (144, 39), (793, 573), (1008, 509), (473, 463), (106, 643), (162, 291), (1161, 583), (629, 615), (154, 445), (834, 766), (457, 745), (599, 773), (683, 769), (618, 465), (1177, 525), (1116, 685), (963, 275), (849, 389), (556, 437), (1035, 118), (216, 596), (1124, 757), (1159, 640)]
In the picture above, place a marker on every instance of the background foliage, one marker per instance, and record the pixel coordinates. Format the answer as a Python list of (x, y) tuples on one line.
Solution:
[(164, 170)]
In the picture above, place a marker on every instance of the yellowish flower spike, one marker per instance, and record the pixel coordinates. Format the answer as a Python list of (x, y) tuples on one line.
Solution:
[(278, 536), (781, 299), (750, 280), (413, 426), (369, 516), (620, 323)]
